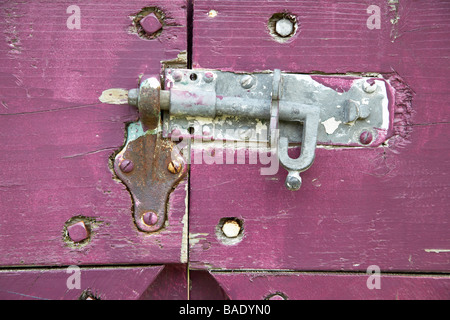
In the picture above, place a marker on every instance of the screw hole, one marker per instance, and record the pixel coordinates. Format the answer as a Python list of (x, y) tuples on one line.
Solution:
[(230, 231), (193, 76)]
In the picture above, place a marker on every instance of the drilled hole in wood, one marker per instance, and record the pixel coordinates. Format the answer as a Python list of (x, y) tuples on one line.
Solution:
[(230, 230), (150, 29), (283, 26)]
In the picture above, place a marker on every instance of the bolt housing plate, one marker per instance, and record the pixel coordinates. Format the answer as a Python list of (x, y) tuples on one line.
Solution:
[(331, 93)]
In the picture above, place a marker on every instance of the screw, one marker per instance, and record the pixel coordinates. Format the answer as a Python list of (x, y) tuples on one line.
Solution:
[(231, 229), (370, 86), (206, 131), (209, 77), (276, 296), (78, 232), (366, 137), (126, 166), (133, 95), (284, 27), (150, 218), (174, 166), (247, 81), (150, 23), (293, 181), (177, 76)]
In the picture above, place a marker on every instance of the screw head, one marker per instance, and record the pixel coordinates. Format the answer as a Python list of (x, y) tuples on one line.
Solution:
[(293, 181), (206, 131), (209, 77), (126, 166), (276, 296), (231, 229), (150, 218), (366, 137), (150, 23), (174, 166), (247, 81), (78, 232), (284, 27), (370, 86), (177, 76)]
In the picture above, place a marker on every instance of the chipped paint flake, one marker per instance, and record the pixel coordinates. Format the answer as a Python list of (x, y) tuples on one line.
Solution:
[(185, 237), (331, 125), (437, 250), (195, 238), (114, 96)]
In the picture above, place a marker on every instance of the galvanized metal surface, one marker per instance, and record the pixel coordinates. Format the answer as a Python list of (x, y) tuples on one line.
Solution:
[(233, 100)]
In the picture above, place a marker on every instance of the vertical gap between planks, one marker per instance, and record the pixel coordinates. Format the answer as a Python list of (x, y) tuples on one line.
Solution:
[(190, 27), (190, 30)]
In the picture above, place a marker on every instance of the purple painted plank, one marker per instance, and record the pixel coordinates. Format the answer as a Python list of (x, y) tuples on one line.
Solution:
[(203, 286), (171, 284), (57, 137), (322, 286), (51, 284), (386, 206)]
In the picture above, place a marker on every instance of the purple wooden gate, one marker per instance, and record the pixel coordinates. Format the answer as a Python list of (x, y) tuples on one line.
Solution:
[(64, 77)]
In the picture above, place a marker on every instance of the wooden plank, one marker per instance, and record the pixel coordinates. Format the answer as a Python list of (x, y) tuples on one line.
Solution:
[(203, 286), (171, 284), (58, 136), (386, 206), (328, 286), (120, 283)]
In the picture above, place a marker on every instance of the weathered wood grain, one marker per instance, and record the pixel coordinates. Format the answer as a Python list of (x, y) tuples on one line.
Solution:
[(57, 137), (329, 286), (171, 284), (120, 283), (387, 206), (203, 286)]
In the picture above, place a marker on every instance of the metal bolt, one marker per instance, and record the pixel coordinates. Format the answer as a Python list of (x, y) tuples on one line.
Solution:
[(276, 296), (293, 181), (133, 96), (284, 27), (231, 229), (78, 232), (126, 166), (177, 76), (366, 137), (209, 77), (206, 131), (150, 23), (370, 86), (174, 166), (150, 218), (247, 81)]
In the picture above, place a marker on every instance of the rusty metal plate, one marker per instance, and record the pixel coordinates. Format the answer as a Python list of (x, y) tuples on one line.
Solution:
[(150, 171)]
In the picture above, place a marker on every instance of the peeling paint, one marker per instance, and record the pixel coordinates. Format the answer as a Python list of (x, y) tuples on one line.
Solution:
[(331, 125), (195, 238), (114, 96), (437, 250), (185, 237)]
